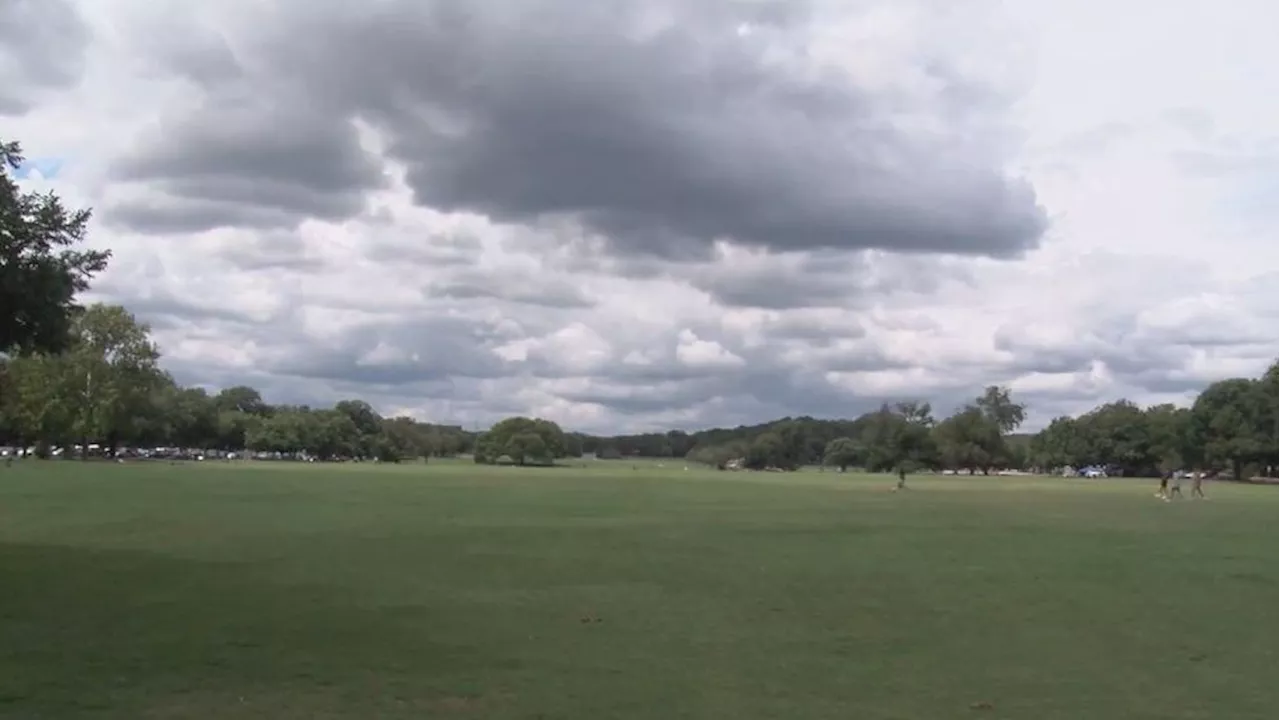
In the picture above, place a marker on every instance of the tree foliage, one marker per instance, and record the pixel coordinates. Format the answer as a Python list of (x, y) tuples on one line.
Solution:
[(42, 264), (523, 441), (1230, 427)]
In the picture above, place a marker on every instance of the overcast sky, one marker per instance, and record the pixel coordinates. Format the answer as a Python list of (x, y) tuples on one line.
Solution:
[(632, 215)]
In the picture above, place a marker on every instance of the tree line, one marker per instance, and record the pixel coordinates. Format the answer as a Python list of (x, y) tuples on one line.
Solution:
[(81, 376), (1231, 427), (106, 388)]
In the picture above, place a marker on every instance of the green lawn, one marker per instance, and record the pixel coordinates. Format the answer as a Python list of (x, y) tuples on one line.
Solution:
[(271, 591)]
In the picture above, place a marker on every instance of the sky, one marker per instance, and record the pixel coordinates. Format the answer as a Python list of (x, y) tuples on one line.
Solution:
[(640, 215)]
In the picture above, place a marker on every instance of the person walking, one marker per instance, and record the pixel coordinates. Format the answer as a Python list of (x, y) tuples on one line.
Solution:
[(1175, 487), (1197, 483)]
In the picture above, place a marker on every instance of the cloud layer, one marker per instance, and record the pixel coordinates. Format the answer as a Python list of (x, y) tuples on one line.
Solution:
[(652, 214)]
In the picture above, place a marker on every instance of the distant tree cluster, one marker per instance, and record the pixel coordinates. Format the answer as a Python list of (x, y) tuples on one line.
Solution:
[(525, 441), (1231, 427), (901, 436), (106, 388)]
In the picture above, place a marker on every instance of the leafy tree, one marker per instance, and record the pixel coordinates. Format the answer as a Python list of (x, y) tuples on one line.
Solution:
[(842, 452), (916, 413), (514, 438), (233, 427), (1119, 437), (573, 445), (1168, 429), (996, 403), (108, 376), (898, 437), (970, 440), (1058, 445), (368, 425), (38, 401), (1230, 421), (183, 417), (1268, 390), (718, 455), (241, 399), (405, 438), (42, 266), (766, 450), (525, 446), (552, 438)]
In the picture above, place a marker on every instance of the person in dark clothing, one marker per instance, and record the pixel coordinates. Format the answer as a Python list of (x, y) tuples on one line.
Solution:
[(1164, 484), (902, 479)]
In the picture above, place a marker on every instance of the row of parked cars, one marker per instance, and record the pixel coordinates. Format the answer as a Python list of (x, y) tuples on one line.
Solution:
[(158, 453)]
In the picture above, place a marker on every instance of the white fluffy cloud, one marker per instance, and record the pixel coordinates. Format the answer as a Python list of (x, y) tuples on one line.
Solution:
[(671, 214)]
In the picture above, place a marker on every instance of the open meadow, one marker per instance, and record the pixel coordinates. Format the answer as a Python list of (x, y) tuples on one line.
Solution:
[(449, 590)]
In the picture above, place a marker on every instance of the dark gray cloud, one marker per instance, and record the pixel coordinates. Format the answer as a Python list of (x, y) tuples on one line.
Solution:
[(662, 139), (816, 279), (607, 149), (267, 162), (43, 48), (775, 287), (1119, 343)]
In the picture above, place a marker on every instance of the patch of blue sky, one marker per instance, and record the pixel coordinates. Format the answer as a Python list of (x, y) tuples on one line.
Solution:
[(46, 167)]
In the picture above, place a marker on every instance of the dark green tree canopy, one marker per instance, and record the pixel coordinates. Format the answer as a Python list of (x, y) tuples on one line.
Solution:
[(42, 266), (522, 440)]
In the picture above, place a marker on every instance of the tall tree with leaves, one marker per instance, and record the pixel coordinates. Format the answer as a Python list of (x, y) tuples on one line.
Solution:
[(522, 440), (112, 365), (1231, 422), (37, 401), (842, 452), (997, 404), (970, 440), (42, 266)]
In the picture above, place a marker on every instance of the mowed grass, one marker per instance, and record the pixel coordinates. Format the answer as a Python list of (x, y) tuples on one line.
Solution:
[(278, 591)]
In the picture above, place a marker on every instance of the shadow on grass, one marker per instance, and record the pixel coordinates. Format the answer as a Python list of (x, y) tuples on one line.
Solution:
[(112, 633)]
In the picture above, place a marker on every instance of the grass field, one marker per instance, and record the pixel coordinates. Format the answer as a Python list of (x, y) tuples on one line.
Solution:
[(454, 591)]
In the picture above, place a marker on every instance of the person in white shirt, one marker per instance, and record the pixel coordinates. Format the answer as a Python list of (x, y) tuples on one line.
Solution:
[(1175, 487)]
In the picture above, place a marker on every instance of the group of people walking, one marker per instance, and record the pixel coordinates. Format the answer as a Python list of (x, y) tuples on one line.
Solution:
[(1171, 483)]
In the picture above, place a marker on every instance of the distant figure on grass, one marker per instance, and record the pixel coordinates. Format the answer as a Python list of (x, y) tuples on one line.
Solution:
[(902, 480), (1164, 485), (1197, 480), (1175, 488)]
